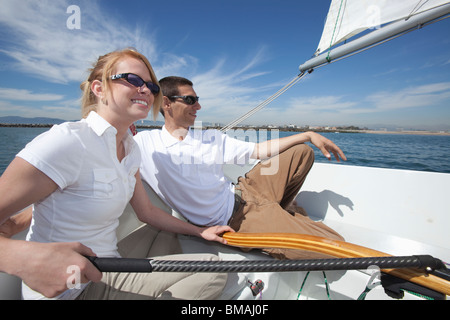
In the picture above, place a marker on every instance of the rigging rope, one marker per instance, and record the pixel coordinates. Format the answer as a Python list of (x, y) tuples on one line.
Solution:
[(264, 103), (416, 8), (334, 31), (327, 287)]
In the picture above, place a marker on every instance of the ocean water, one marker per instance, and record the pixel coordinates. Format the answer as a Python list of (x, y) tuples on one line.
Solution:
[(395, 151), (12, 140)]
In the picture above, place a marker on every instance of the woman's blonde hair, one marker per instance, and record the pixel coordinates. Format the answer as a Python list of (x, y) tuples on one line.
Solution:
[(102, 70)]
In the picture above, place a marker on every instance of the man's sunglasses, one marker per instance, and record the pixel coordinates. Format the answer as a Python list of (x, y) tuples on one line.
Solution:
[(190, 100), (137, 81)]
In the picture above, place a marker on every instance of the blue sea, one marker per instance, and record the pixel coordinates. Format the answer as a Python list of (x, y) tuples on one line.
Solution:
[(395, 151)]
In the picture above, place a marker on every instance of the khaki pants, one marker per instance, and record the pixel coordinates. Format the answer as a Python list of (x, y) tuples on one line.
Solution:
[(267, 198), (149, 242)]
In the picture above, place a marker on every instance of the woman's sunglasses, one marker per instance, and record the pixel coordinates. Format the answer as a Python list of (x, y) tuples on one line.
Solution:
[(137, 81), (190, 100)]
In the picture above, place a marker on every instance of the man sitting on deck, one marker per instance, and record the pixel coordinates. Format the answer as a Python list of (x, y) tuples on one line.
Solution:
[(185, 168)]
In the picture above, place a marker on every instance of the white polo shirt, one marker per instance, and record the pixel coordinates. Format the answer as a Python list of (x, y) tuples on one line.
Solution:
[(94, 187), (188, 174)]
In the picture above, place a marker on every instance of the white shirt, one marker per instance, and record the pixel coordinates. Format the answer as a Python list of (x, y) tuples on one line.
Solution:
[(188, 175), (94, 187)]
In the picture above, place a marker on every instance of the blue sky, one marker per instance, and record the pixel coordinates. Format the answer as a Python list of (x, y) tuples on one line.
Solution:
[(237, 53)]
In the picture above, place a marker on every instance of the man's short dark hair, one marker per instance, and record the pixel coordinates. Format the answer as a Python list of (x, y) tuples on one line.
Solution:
[(170, 85)]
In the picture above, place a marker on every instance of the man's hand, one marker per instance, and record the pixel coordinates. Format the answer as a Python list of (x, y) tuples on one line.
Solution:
[(326, 146)]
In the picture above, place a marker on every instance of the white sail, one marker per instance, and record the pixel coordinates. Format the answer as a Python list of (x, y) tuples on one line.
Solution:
[(347, 18)]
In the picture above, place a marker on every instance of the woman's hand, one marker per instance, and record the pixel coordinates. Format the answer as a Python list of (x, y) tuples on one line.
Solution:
[(214, 233), (16, 224), (51, 268)]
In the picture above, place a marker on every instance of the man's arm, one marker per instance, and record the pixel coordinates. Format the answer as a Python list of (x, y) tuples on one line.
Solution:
[(270, 148)]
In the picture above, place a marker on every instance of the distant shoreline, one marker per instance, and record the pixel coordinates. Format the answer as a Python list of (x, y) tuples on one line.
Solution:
[(409, 132), (26, 125), (434, 133)]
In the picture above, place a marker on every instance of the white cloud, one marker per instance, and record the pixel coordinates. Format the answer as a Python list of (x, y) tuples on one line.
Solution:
[(43, 46), (226, 93), (69, 110), (379, 102), (170, 64), (26, 95), (341, 110), (412, 97)]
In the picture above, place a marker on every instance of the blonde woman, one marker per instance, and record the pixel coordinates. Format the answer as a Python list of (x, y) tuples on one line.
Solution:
[(79, 176)]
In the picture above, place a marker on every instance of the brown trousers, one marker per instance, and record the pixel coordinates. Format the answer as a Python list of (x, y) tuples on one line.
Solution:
[(267, 196)]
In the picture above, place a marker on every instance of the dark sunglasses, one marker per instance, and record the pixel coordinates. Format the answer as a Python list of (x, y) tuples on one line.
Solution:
[(137, 81), (190, 100)]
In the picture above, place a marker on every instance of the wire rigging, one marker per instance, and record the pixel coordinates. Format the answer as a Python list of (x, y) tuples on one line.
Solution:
[(264, 103)]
